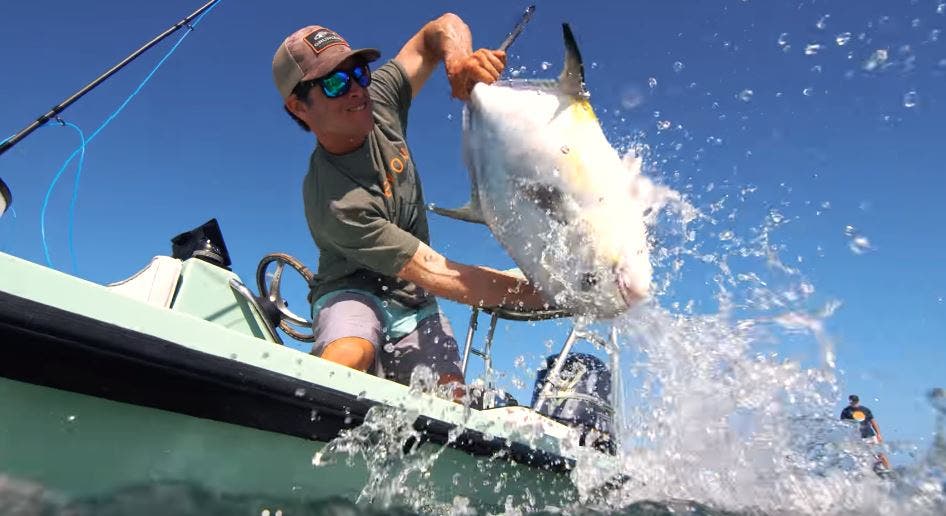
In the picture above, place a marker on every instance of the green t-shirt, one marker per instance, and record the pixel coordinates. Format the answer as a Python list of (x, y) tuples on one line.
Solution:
[(365, 209)]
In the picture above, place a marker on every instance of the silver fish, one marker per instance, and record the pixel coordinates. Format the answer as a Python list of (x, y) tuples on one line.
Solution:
[(554, 192)]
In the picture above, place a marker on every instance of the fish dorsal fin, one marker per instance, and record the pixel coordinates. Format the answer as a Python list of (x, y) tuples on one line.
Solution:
[(572, 79)]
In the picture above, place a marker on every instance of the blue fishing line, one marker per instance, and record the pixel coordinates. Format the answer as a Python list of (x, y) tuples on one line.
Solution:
[(81, 149), (75, 196), (75, 193)]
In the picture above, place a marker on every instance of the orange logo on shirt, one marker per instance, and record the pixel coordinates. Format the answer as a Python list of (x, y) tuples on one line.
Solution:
[(386, 186), (396, 163), (858, 415)]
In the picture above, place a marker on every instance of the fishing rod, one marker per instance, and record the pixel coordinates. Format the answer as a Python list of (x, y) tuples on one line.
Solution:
[(51, 114), (6, 196)]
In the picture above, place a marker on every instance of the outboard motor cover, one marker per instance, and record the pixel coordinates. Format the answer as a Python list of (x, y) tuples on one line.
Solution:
[(580, 398)]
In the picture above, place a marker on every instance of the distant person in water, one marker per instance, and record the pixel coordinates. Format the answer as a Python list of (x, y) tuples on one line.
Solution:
[(870, 430)]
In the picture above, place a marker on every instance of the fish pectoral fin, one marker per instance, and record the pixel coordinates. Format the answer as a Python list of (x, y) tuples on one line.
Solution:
[(467, 213)]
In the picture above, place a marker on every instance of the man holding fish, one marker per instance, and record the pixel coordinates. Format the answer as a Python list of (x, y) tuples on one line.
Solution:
[(373, 298), (549, 175)]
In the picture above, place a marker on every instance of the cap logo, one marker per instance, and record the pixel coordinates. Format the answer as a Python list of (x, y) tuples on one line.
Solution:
[(321, 39)]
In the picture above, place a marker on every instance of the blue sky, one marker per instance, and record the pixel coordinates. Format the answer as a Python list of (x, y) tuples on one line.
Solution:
[(829, 134)]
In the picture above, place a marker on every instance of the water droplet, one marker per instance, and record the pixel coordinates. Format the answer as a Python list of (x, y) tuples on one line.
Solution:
[(677, 66), (934, 34), (384, 288), (71, 418), (812, 49), (808, 92), (857, 243), (941, 8), (663, 125), (745, 95), (300, 392), (449, 116), (652, 82), (389, 348), (822, 22), (910, 99), (565, 149), (594, 65), (783, 39), (842, 38), (631, 99), (876, 60), (816, 69), (546, 65), (726, 235)]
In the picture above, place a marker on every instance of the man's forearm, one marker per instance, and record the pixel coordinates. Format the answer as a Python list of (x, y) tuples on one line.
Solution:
[(447, 38), (467, 284)]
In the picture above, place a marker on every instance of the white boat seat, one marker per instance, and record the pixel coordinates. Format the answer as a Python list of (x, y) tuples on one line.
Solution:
[(155, 284)]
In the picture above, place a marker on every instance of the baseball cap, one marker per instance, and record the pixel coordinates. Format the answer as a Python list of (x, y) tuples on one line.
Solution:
[(853, 398), (312, 52)]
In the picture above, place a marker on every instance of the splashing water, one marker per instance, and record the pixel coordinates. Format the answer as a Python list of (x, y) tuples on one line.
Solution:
[(718, 408), (716, 412)]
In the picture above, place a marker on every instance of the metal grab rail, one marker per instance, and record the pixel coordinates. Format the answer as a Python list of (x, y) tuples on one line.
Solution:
[(241, 289), (577, 333)]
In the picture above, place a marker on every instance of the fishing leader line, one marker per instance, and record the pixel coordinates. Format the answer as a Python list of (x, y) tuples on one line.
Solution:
[(80, 150)]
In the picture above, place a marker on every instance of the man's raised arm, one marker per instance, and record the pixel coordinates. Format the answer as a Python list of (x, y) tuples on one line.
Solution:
[(447, 39)]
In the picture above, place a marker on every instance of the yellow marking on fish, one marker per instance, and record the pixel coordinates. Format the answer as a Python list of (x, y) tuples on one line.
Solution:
[(574, 166), (584, 112)]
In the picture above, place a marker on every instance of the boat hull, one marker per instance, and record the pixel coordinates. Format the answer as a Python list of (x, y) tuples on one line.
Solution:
[(81, 447), (101, 393)]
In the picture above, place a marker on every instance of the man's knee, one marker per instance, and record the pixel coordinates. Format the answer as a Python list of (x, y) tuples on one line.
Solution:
[(354, 352)]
